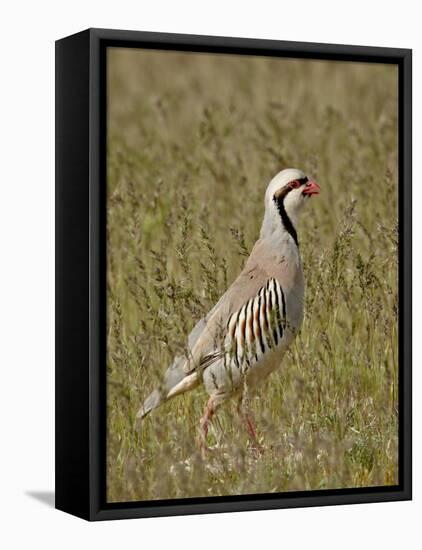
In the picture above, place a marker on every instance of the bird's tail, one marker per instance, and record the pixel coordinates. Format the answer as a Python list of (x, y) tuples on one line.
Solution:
[(153, 401), (159, 396)]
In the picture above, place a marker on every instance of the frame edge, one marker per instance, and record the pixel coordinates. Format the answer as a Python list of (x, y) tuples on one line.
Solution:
[(72, 256)]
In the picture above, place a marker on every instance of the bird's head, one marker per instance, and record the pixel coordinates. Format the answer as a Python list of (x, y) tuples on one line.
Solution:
[(285, 197)]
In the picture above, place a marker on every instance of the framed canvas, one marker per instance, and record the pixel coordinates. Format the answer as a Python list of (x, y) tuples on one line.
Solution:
[(233, 274)]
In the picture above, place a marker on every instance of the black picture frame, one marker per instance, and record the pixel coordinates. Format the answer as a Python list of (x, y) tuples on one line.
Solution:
[(81, 268)]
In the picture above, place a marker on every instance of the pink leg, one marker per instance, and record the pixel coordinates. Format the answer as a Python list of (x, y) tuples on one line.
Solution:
[(204, 424), (250, 427)]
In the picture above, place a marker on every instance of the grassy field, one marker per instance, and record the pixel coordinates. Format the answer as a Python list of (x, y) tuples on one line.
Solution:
[(193, 141)]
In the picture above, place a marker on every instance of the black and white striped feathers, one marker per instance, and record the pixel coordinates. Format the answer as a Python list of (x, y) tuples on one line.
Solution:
[(258, 327)]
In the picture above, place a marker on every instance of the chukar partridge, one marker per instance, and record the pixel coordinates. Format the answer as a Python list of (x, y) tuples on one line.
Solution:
[(243, 338)]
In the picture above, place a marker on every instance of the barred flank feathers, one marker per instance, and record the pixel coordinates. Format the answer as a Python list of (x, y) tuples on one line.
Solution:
[(258, 326)]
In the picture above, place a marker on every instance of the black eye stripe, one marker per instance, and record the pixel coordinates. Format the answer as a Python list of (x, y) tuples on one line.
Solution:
[(287, 188)]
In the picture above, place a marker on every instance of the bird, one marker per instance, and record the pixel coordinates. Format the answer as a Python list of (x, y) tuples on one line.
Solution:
[(245, 335)]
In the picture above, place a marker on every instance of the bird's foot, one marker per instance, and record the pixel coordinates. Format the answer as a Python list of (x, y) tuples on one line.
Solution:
[(205, 450), (257, 449)]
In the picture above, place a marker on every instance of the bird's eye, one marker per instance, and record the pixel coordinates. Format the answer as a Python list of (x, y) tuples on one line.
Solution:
[(294, 184)]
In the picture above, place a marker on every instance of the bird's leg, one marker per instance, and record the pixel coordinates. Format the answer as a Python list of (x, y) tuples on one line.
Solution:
[(250, 428), (204, 424)]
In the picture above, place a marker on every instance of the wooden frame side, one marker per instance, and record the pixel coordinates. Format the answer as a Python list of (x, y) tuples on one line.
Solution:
[(72, 260)]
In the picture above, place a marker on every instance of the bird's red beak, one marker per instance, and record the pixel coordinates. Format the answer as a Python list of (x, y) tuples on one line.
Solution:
[(311, 188)]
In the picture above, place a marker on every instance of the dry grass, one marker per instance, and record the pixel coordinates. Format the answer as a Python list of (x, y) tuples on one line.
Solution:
[(193, 141)]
